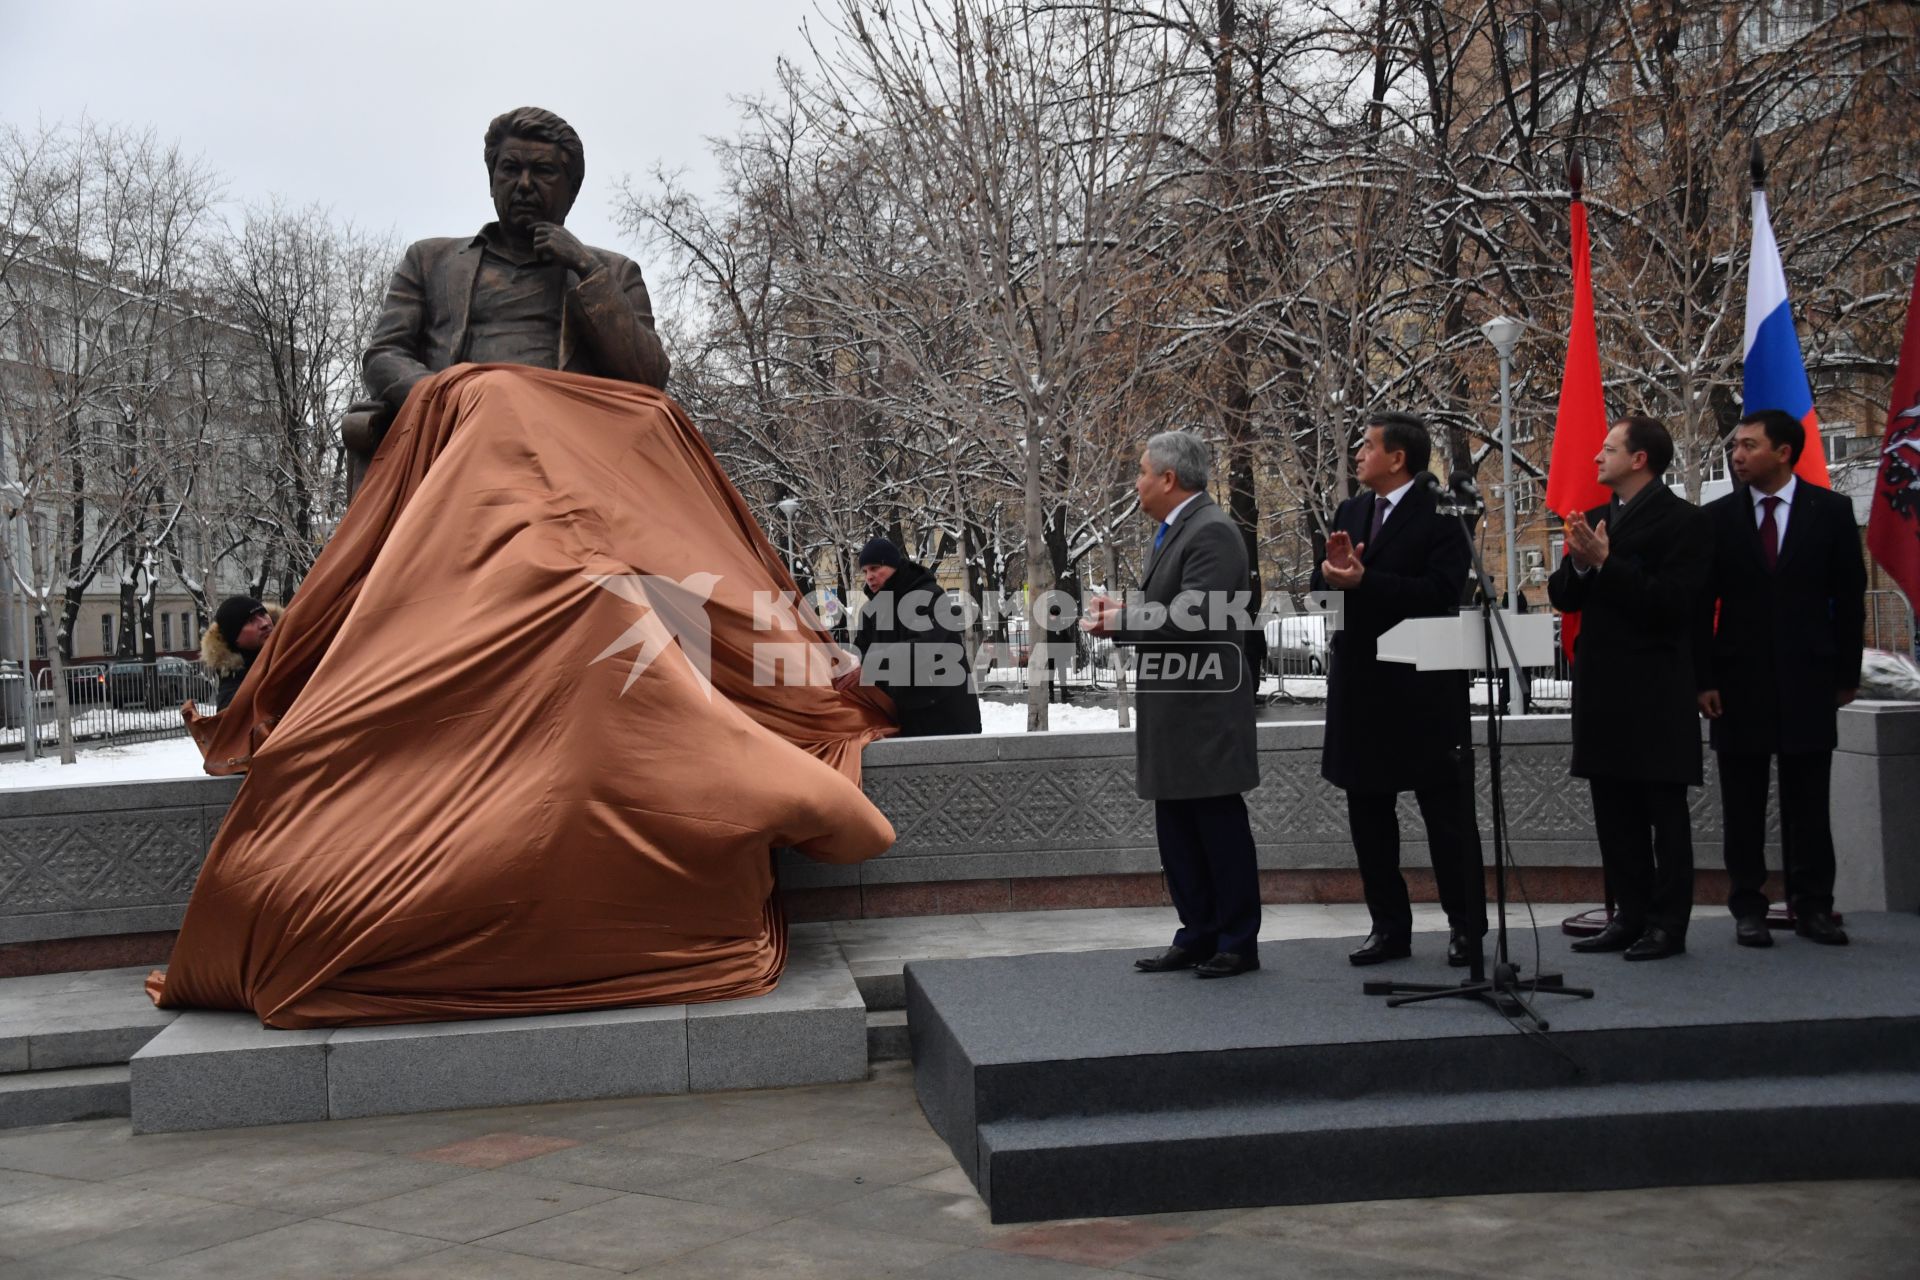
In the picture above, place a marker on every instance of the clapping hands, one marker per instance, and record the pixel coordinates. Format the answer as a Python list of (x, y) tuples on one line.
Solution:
[(1342, 568), (1588, 544)]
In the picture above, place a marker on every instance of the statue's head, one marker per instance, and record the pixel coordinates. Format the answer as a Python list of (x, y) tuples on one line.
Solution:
[(535, 165)]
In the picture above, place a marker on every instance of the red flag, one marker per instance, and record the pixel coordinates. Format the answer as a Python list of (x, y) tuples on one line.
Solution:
[(1893, 529), (1580, 426)]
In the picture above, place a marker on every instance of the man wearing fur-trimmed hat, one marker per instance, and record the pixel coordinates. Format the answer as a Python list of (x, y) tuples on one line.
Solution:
[(911, 646), (240, 626)]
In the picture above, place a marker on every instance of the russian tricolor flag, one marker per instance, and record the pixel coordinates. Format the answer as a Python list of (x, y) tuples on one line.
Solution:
[(1775, 376)]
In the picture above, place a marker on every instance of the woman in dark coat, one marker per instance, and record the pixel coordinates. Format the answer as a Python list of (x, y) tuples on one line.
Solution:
[(910, 645)]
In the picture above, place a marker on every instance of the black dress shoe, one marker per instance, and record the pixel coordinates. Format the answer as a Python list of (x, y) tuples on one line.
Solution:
[(1461, 949), (1615, 937), (1752, 931), (1381, 947), (1819, 926), (1169, 960), (1226, 964), (1657, 944)]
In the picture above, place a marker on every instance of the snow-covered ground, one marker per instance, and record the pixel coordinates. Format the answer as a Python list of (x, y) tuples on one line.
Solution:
[(100, 722), (1001, 717), (179, 758), (1550, 695), (141, 762)]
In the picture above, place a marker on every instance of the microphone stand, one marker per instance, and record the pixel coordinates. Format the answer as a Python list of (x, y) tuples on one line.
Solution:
[(1503, 990)]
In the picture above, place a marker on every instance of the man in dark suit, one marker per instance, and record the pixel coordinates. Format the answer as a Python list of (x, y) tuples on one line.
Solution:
[(1789, 590), (1194, 744), (1391, 728), (1634, 571), (522, 291)]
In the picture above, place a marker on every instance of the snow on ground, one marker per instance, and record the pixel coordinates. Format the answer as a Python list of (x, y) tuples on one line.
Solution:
[(141, 762), (101, 722), (1001, 717), (1305, 688), (179, 758)]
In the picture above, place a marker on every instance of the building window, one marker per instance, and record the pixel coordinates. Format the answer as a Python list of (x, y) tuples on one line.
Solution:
[(1556, 548), (1526, 496), (106, 633), (1716, 462), (40, 638), (1842, 445), (166, 632), (186, 630)]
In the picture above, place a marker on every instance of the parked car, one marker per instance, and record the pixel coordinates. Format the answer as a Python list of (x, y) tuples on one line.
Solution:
[(87, 685), (167, 683), (1296, 645)]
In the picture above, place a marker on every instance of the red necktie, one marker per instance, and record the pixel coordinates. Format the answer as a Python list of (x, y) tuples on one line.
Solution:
[(1769, 532)]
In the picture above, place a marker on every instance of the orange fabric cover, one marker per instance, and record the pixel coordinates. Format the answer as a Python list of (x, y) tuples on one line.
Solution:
[(451, 809)]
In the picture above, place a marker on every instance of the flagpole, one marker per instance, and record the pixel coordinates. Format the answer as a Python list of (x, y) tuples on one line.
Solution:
[(1774, 370), (1581, 418)]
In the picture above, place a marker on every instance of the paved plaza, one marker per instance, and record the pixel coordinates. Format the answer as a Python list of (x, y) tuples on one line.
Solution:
[(831, 1181), (828, 1181)]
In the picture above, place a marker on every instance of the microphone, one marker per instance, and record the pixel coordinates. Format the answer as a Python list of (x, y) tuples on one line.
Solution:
[(1426, 480), (1460, 484)]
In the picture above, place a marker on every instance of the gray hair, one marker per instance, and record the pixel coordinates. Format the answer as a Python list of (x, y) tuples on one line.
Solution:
[(1185, 454)]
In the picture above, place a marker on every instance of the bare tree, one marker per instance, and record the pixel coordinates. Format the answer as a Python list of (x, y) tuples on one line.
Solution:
[(105, 221), (973, 253), (303, 292)]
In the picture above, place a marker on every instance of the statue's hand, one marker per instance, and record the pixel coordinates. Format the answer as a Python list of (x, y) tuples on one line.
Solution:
[(551, 240)]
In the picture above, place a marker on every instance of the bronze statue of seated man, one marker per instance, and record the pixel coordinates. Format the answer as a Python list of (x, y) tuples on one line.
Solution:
[(524, 290)]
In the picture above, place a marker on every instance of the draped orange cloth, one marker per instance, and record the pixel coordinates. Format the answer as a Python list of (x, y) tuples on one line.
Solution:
[(454, 805)]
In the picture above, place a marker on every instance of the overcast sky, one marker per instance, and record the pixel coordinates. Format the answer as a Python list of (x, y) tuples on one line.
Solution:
[(377, 109)]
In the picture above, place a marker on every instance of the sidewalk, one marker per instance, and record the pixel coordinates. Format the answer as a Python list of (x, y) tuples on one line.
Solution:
[(839, 1181)]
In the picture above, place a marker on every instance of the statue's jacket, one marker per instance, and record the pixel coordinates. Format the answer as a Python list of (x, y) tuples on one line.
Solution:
[(606, 328)]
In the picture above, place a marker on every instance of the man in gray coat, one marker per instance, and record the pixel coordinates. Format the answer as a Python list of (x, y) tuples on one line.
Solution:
[(1194, 746)]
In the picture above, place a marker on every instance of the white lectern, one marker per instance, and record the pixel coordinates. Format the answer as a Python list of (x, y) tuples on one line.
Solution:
[(1459, 643)]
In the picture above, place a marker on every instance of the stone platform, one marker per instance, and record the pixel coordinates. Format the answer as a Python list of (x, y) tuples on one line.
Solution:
[(65, 1038), (64, 1043), (1068, 1085), (210, 1070)]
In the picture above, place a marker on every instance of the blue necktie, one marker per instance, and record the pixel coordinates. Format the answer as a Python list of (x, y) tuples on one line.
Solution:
[(1160, 535)]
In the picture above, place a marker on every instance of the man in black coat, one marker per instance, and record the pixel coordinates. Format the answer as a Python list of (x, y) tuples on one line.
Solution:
[(1789, 591), (1391, 728), (1195, 752), (240, 627), (911, 646), (1634, 571)]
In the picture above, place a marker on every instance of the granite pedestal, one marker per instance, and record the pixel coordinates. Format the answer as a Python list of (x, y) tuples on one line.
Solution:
[(211, 1070)]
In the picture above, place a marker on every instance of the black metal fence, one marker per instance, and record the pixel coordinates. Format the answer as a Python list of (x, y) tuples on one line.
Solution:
[(1890, 624), (110, 702)]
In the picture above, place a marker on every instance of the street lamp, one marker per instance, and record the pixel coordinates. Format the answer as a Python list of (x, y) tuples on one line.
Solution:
[(786, 507), (1503, 332)]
